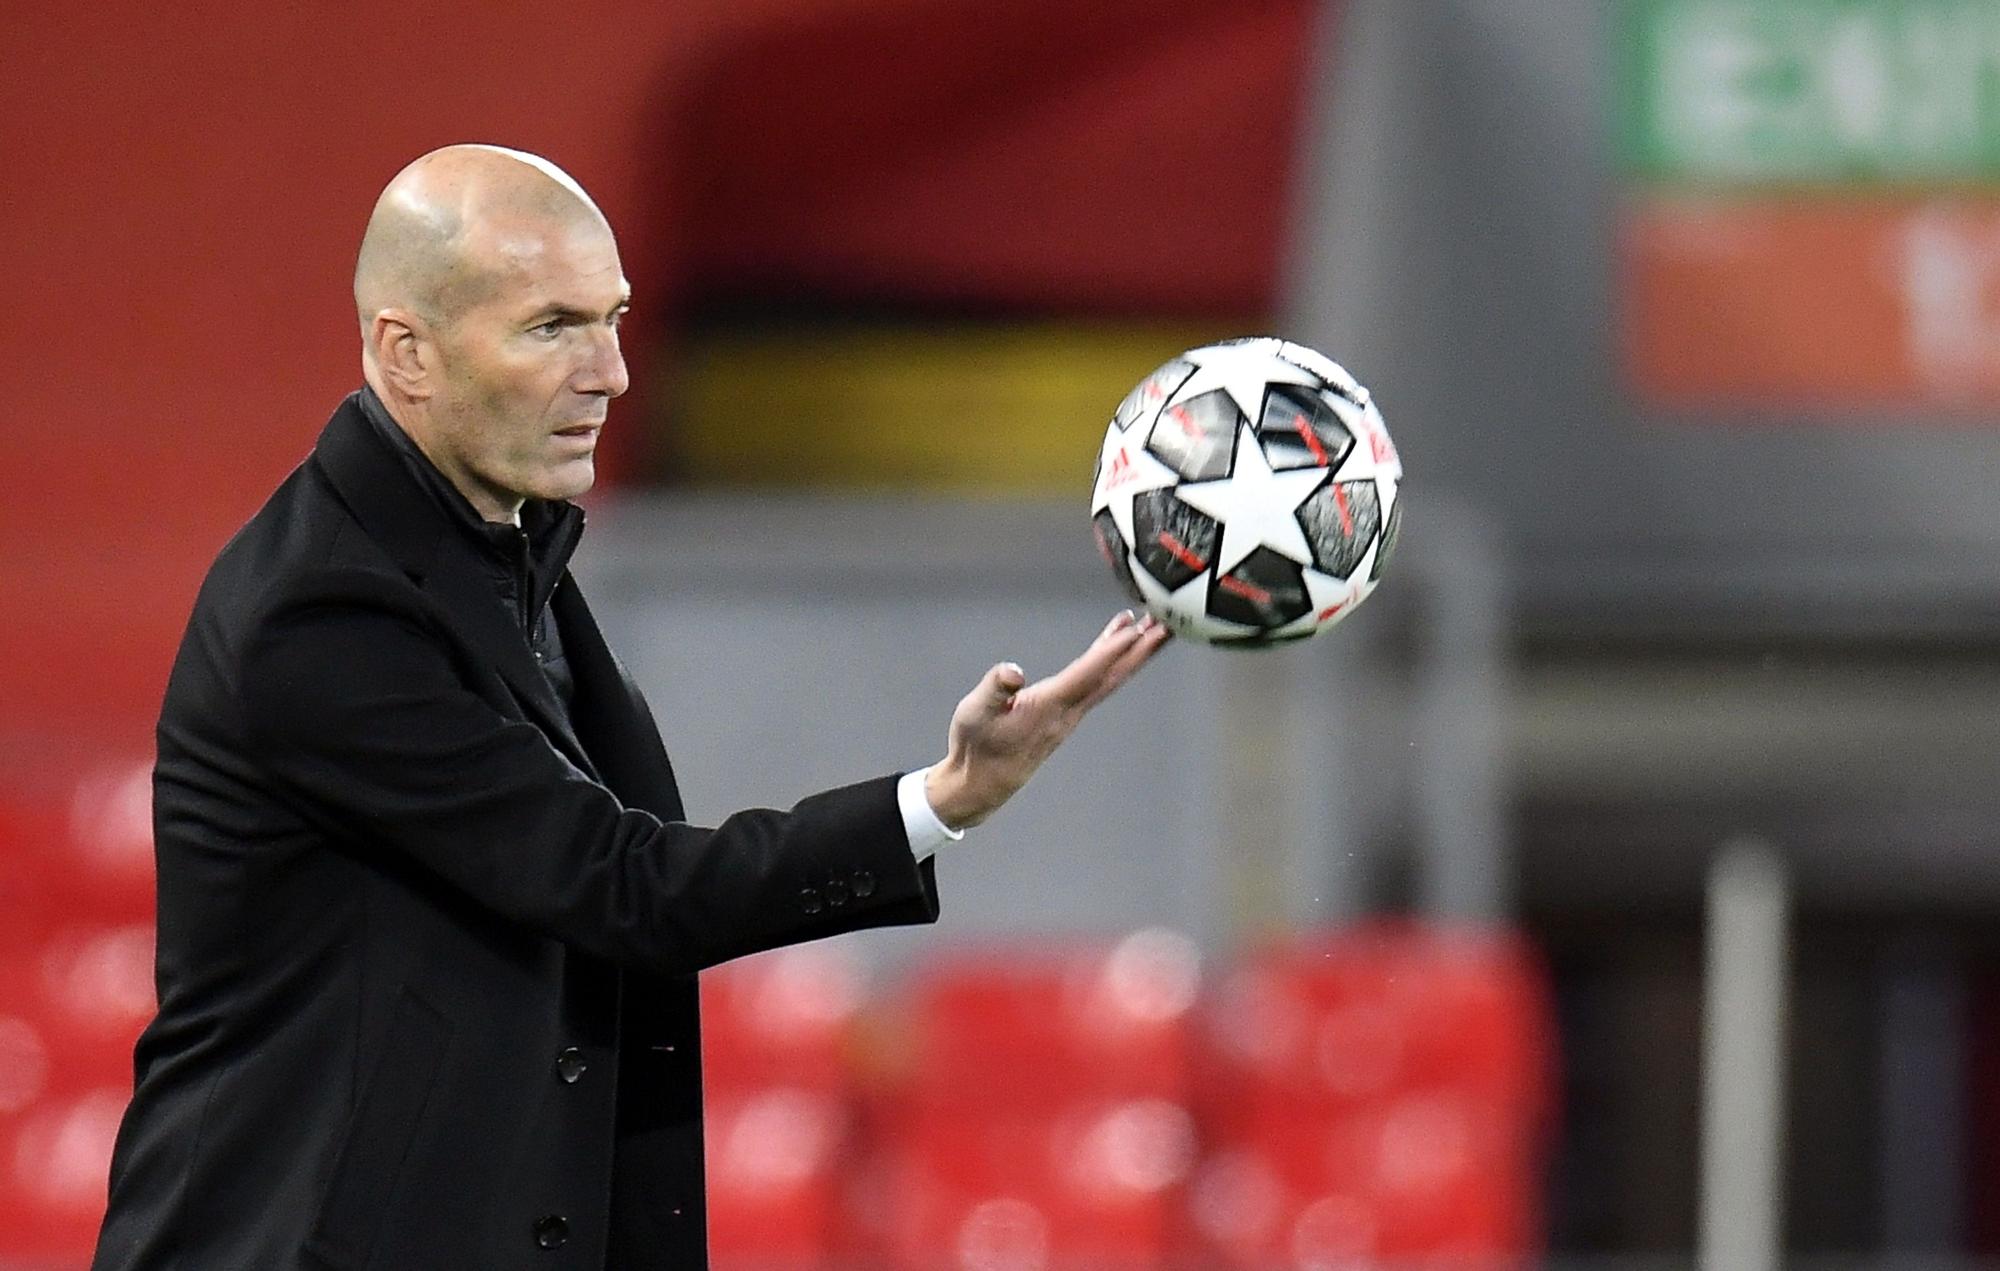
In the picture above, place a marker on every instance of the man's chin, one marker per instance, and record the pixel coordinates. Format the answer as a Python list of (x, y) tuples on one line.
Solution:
[(569, 480)]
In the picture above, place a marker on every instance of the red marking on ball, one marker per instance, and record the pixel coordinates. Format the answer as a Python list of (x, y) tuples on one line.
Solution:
[(1346, 517), (1312, 441), (1120, 472), (1178, 550), (1180, 416), (1329, 611), (1248, 590)]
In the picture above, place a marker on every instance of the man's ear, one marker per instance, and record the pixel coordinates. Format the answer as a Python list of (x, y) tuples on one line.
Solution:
[(405, 351)]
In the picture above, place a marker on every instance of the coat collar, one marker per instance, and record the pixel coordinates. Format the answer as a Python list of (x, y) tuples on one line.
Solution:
[(373, 482), (416, 530)]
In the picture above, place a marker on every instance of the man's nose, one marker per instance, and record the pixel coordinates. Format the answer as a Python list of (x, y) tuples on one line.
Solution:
[(605, 372)]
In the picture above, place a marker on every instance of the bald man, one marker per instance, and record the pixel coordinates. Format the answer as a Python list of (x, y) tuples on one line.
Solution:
[(429, 911)]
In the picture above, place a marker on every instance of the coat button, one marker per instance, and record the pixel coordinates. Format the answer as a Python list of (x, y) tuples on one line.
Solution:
[(809, 900), (570, 1065), (552, 1232), (864, 884), (836, 892)]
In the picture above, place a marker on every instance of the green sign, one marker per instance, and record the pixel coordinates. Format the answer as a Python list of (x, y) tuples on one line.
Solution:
[(1838, 92)]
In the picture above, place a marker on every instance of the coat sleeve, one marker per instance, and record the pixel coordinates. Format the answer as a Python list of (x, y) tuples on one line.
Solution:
[(357, 711)]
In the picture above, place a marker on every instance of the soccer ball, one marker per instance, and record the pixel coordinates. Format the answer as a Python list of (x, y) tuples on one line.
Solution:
[(1246, 493)]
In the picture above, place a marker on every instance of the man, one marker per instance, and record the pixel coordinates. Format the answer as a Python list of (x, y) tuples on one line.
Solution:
[(429, 915)]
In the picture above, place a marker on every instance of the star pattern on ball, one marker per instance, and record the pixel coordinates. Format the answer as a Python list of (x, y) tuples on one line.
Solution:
[(1256, 505), (1244, 371)]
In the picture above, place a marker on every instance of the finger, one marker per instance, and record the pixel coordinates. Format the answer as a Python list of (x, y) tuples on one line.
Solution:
[(1151, 640), (1074, 683), (999, 685)]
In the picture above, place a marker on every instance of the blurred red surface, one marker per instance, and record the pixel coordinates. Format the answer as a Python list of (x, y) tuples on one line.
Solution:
[(76, 986), (185, 215), (1383, 1092)]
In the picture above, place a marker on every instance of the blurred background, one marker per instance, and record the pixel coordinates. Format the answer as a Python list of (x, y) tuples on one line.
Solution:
[(1617, 890)]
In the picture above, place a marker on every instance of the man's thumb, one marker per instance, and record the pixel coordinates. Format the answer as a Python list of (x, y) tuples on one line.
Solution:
[(1001, 683)]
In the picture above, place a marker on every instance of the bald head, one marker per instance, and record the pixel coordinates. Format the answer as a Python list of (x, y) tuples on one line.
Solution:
[(490, 296), (449, 225)]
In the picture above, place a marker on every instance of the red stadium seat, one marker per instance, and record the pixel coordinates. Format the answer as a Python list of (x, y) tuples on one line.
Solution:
[(86, 990), (55, 1158), (1044, 1123), (105, 857), (1088, 1183), (778, 1105), (76, 981), (1028, 1027), (26, 1060), (780, 1018), (775, 1162), (75, 850), (1381, 1094), (71, 1005)]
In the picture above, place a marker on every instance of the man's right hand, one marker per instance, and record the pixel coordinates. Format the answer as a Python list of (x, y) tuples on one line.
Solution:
[(1004, 728)]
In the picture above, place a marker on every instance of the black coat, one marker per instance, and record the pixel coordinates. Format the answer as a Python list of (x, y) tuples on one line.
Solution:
[(427, 944)]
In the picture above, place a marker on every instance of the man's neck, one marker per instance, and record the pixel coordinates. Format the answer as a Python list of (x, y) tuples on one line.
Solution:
[(484, 504)]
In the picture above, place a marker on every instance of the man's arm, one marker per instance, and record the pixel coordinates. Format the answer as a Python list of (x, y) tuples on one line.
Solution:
[(357, 711)]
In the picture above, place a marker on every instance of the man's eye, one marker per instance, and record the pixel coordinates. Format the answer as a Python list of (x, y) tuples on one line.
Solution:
[(548, 330)]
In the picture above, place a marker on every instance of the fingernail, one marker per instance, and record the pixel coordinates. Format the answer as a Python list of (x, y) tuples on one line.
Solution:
[(1013, 669)]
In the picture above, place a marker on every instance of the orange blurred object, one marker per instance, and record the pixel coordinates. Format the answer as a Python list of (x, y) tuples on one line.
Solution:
[(1846, 306)]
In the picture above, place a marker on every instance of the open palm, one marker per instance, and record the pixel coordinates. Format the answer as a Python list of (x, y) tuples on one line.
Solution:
[(1005, 727)]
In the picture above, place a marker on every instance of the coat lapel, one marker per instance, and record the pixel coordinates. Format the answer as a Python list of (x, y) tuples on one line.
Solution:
[(406, 520), (468, 596), (611, 714)]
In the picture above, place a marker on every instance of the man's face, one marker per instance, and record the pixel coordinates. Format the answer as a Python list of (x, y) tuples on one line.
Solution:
[(529, 364)]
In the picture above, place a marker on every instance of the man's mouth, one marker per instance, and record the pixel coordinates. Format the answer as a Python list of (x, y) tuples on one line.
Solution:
[(579, 430)]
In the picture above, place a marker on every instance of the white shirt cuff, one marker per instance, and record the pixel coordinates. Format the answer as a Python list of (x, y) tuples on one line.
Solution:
[(920, 820)]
